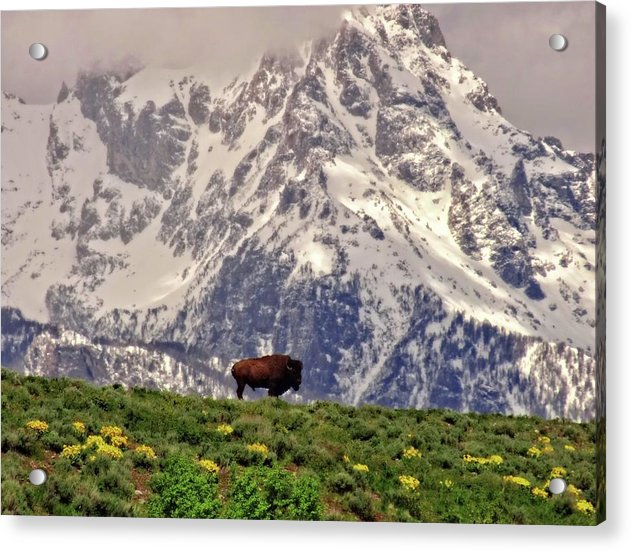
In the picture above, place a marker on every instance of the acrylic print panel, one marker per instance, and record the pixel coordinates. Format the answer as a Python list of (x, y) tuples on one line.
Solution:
[(399, 270)]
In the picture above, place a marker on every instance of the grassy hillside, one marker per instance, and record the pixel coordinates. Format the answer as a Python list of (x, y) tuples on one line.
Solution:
[(117, 452)]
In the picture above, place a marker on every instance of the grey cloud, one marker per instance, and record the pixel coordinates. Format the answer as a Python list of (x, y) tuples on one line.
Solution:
[(542, 91)]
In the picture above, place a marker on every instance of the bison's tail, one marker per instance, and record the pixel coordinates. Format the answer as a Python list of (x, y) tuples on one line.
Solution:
[(233, 369)]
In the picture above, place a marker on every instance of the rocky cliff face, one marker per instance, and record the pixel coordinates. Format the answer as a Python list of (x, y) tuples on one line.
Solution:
[(361, 204)]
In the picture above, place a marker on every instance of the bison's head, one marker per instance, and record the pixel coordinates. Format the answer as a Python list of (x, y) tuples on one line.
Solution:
[(294, 367)]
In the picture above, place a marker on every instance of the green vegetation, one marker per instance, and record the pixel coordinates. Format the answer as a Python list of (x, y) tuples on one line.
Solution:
[(135, 452)]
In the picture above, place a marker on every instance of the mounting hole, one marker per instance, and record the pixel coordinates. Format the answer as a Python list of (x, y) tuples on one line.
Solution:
[(557, 486), (558, 42), (37, 477), (38, 51)]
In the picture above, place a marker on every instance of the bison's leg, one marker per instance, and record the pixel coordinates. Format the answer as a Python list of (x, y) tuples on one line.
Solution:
[(240, 388), (273, 392)]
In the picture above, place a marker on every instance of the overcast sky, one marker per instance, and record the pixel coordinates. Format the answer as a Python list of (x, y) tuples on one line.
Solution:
[(539, 90)]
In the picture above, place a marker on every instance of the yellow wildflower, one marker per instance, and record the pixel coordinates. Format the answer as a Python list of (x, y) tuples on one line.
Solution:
[(346, 459), (573, 490), (539, 492), (411, 452), (409, 482), (94, 441), (534, 451), (72, 452), (360, 467), (119, 441), (258, 448), (38, 426), (558, 472), (446, 483), (547, 449), (110, 451), (543, 440), (78, 427), (521, 481), (585, 507), (225, 429), (569, 448), (109, 431), (147, 451), (492, 459), (209, 465)]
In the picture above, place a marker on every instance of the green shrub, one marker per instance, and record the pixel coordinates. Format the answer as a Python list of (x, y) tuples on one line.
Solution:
[(14, 500), (342, 482), (361, 504), (73, 398), (246, 498), (116, 481), (53, 441), (184, 490), (507, 428), (273, 493), (362, 431)]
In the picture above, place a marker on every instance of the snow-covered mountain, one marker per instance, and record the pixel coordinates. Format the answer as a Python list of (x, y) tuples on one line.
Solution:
[(361, 204)]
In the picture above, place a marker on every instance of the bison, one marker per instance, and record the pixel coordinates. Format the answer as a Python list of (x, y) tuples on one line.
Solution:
[(277, 373)]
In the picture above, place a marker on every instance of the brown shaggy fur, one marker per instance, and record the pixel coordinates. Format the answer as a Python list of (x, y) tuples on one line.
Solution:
[(278, 373)]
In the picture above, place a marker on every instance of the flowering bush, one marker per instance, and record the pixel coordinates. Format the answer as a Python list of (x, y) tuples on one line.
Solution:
[(573, 490), (539, 492), (119, 441), (543, 440), (209, 465), (38, 426), (146, 451), (73, 453), (547, 449), (411, 452), (409, 482), (110, 451), (569, 448), (585, 507), (519, 480), (224, 429), (96, 443), (492, 459), (558, 472), (534, 451), (258, 448), (78, 427), (109, 431), (360, 467)]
